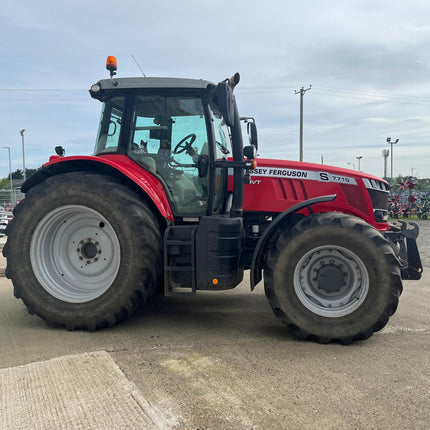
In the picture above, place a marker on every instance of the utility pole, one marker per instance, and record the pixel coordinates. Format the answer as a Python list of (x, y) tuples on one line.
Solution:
[(301, 92), (23, 156)]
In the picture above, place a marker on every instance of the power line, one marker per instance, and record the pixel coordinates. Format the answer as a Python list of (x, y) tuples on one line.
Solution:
[(381, 99), (346, 93), (372, 93), (326, 90)]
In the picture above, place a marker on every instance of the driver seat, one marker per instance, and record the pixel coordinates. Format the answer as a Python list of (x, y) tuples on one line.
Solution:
[(149, 164), (142, 158)]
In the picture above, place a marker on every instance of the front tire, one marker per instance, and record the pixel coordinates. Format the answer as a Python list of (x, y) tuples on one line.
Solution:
[(83, 251), (332, 277)]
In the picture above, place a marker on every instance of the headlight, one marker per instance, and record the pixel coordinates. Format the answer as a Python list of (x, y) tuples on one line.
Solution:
[(95, 88)]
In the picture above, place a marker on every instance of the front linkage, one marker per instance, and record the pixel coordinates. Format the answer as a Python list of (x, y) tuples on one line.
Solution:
[(403, 240)]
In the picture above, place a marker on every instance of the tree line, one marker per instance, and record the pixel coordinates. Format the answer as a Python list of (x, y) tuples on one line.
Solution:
[(16, 175)]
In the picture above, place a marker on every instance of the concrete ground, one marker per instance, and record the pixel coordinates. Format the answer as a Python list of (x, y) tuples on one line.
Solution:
[(215, 361)]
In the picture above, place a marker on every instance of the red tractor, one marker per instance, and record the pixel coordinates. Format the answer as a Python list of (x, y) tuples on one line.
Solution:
[(171, 198)]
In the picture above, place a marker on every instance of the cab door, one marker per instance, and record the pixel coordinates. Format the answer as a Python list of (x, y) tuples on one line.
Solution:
[(168, 135)]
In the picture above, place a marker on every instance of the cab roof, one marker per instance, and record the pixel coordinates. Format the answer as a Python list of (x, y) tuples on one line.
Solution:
[(153, 82)]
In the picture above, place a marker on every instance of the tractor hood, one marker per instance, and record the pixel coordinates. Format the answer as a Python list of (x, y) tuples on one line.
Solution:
[(276, 185), (309, 171)]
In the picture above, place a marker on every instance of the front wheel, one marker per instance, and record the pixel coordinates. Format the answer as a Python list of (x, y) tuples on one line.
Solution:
[(83, 251), (332, 277)]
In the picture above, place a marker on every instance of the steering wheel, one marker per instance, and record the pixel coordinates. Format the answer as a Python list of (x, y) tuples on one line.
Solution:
[(183, 145)]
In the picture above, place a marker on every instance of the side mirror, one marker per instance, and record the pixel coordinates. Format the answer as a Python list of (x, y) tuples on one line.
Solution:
[(59, 150), (252, 133), (203, 165), (224, 98), (250, 152)]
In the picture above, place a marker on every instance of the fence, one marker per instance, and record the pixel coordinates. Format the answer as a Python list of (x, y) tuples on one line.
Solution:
[(8, 198)]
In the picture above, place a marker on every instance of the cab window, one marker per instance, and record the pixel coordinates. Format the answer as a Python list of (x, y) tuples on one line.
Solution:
[(110, 125)]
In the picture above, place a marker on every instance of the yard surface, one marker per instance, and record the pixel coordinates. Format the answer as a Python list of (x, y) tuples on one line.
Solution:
[(215, 361)]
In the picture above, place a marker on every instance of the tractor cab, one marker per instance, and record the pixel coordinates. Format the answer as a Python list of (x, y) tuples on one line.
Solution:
[(184, 132)]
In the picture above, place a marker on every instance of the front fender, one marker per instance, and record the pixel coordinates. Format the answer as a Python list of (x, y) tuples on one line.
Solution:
[(260, 249), (117, 166)]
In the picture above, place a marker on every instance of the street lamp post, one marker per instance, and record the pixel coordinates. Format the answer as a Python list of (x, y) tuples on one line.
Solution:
[(391, 142), (23, 153), (353, 165), (359, 158), (10, 172)]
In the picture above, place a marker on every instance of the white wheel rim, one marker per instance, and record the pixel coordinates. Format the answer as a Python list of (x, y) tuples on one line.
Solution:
[(75, 254), (331, 281)]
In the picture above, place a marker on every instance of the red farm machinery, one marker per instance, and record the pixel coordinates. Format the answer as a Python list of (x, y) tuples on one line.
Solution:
[(173, 200)]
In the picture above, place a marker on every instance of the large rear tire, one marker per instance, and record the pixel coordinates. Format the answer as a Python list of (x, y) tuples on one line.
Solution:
[(83, 251), (332, 277)]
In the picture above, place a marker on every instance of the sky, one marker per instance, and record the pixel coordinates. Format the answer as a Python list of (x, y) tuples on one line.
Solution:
[(368, 62)]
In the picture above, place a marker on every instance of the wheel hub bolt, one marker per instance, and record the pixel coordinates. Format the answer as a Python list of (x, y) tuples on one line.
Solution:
[(89, 250)]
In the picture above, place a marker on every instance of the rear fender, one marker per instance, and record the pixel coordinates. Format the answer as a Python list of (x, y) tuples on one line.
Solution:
[(274, 228), (121, 168)]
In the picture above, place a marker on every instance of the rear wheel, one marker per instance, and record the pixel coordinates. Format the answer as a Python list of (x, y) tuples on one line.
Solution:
[(83, 251), (75, 254), (332, 277)]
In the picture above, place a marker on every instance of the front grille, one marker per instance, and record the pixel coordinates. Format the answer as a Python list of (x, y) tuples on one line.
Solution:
[(379, 199), (378, 193)]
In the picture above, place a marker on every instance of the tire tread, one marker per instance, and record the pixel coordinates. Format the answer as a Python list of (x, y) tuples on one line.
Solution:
[(146, 233), (343, 221)]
